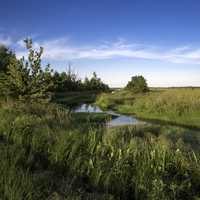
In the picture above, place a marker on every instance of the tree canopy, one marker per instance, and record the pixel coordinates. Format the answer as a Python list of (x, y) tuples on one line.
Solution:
[(6, 56), (69, 81), (137, 84), (95, 83), (26, 79)]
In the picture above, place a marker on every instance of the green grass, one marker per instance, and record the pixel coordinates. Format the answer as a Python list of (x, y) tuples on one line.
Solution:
[(56, 158), (99, 118), (16, 184), (176, 106)]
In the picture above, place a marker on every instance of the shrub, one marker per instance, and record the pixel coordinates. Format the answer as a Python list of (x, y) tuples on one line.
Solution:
[(137, 84)]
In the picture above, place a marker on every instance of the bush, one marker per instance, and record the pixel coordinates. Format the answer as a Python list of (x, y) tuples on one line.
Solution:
[(137, 84), (6, 56)]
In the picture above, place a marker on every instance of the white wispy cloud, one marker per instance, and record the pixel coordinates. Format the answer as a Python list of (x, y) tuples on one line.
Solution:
[(61, 50), (6, 41)]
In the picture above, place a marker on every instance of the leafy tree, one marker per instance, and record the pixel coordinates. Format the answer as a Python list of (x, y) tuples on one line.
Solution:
[(137, 84), (95, 84), (67, 81), (5, 58), (26, 79), (72, 82), (86, 83)]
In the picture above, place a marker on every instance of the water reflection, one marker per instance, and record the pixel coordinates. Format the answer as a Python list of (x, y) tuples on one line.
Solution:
[(116, 121), (123, 120), (88, 108)]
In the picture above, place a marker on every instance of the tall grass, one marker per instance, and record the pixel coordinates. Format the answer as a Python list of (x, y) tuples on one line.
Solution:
[(180, 106), (58, 160), (15, 184)]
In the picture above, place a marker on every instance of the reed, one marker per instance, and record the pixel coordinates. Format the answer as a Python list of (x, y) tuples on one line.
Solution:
[(58, 160)]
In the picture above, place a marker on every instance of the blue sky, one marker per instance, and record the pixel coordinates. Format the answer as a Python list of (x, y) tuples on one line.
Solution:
[(116, 38)]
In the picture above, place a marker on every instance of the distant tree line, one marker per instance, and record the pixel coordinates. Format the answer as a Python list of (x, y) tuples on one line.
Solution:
[(28, 79), (69, 81)]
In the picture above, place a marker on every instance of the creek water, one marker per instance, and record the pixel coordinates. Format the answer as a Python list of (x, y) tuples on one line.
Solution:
[(117, 120)]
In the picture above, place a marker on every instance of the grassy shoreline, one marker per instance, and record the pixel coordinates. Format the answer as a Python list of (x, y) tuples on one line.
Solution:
[(173, 106)]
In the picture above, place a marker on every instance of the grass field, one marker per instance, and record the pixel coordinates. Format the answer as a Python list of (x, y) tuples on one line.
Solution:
[(177, 106), (46, 153)]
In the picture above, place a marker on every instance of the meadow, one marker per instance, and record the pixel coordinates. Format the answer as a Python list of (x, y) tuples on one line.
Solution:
[(47, 154), (179, 106)]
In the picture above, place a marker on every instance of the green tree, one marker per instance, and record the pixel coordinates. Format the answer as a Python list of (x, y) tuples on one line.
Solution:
[(6, 56), (26, 79), (67, 81), (137, 84), (95, 84)]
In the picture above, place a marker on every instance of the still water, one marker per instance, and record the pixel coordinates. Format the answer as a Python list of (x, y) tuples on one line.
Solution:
[(116, 121)]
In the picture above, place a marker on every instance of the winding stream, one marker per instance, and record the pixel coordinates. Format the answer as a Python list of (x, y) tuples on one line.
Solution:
[(116, 121)]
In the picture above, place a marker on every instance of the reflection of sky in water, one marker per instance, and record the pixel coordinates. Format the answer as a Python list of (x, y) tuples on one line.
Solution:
[(119, 120), (88, 108), (123, 120)]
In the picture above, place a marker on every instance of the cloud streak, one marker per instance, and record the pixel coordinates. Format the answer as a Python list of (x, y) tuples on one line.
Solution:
[(61, 50), (6, 41)]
